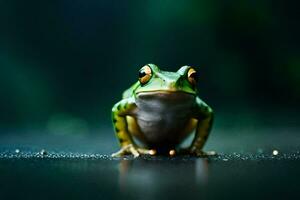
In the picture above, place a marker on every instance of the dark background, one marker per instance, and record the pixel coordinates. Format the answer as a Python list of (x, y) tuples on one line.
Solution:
[(63, 64)]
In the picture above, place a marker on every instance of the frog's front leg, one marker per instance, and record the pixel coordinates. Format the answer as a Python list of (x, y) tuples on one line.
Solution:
[(120, 110), (204, 115)]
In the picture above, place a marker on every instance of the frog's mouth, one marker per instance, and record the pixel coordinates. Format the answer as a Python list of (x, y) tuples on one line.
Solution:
[(172, 95)]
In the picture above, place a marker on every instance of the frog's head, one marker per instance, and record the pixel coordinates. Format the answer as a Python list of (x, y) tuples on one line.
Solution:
[(152, 79)]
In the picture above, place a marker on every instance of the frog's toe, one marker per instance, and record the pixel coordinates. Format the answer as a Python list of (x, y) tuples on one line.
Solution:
[(201, 153), (211, 153), (134, 151), (118, 153), (128, 149), (151, 152), (172, 152)]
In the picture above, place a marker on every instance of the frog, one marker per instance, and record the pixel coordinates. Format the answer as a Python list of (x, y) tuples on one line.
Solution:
[(159, 111)]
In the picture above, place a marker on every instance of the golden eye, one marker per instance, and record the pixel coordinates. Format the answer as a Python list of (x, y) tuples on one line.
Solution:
[(192, 76), (145, 74)]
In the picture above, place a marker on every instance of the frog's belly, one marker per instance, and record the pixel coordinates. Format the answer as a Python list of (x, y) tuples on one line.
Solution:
[(165, 130), (163, 118)]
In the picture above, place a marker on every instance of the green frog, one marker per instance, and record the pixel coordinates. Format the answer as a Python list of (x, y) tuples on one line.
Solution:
[(159, 111)]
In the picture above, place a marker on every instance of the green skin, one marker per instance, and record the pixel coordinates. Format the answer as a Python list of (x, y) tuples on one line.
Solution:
[(166, 83)]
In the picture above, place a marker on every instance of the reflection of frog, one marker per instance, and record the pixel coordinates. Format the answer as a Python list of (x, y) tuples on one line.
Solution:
[(161, 110), (132, 172)]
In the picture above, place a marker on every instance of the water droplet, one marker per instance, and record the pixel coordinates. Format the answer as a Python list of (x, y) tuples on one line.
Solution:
[(43, 152), (275, 152)]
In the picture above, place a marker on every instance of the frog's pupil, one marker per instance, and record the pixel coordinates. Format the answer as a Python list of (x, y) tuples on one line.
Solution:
[(142, 73), (194, 76)]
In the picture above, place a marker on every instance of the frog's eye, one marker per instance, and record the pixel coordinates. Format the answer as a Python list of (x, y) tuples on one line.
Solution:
[(192, 76), (145, 74)]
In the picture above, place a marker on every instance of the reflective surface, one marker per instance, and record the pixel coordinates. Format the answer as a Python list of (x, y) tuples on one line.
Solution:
[(63, 169), (148, 178)]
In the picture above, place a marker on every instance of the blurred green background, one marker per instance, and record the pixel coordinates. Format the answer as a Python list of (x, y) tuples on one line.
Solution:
[(64, 63)]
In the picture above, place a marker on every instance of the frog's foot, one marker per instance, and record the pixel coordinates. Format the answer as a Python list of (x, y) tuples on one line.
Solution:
[(130, 149), (197, 152)]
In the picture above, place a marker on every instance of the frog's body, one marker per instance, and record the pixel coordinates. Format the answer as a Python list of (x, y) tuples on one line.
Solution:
[(163, 117), (160, 110)]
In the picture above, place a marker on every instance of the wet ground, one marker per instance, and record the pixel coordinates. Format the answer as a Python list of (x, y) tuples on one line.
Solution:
[(79, 167)]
